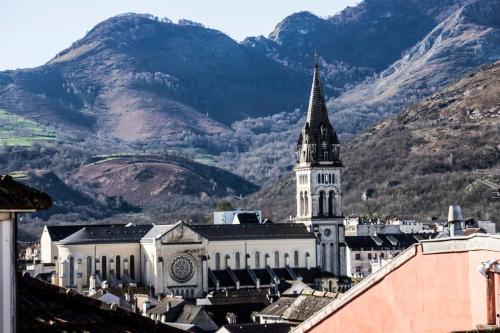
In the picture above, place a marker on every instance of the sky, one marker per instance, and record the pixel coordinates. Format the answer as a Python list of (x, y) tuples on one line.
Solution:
[(33, 31)]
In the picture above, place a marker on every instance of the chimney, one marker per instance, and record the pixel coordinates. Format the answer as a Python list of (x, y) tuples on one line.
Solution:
[(92, 288), (455, 221), (145, 307), (79, 283), (104, 285)]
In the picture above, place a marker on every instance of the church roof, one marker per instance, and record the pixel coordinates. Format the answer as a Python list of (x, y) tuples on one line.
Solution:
[(58, 232), (107, 234), (252, 231)]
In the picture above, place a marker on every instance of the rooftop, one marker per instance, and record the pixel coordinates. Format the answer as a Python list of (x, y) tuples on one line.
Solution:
[(252, 231), (43, 307), (15, 196), (384, 241), (107, 234)]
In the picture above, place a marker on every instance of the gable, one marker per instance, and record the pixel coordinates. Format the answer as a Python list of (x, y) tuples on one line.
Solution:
[(181, 234)]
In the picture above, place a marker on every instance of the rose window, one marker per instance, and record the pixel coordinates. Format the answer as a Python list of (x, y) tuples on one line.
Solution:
[(182, 268)]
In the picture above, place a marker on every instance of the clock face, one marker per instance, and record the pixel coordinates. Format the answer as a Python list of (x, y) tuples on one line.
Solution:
[(327, 232), (182, 268)]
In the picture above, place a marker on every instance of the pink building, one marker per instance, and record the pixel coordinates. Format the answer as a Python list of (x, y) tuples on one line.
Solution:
[(439, 285)]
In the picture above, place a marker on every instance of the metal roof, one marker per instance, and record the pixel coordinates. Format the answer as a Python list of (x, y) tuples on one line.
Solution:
[(252, 231), (107, 234)]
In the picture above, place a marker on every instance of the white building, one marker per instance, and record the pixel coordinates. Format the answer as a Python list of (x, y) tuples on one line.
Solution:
[(182, 259), (319, 178)]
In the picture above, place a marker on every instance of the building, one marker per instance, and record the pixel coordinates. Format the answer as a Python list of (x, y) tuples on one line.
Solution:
[(318, 175), (182, 259), (438, 285), (14, 198), (238, 216), (364, 251)]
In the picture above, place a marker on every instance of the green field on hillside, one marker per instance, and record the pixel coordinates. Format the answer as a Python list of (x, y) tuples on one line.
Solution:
[(19, 131)]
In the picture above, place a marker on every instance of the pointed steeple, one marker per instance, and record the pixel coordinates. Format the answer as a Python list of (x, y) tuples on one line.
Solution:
[(317, 112), (318, 141)]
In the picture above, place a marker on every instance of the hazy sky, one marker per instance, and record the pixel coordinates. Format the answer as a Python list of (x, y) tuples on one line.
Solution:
[(33, 31)]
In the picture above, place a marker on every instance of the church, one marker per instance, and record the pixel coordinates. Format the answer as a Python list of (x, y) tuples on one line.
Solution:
[(192, 260)]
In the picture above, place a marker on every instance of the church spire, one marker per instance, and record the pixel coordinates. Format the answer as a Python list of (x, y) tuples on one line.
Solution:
[(318, 142), (317, 113)]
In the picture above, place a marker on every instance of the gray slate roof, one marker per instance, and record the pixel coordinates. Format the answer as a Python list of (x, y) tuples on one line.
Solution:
[(58, 232), (107, 234), (252, 231), (385, 241)]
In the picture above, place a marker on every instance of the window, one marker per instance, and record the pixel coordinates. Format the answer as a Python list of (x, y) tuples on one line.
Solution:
[(330, 178), (369, 255), (132, 267), (333, 178), (276, 259), (331, 196), (104, 268), (89, 268), (257, 259), (323, 256), (306, 204), (71, 271), (266, 257), (323, 178), (321, 203), (358, 269), (295, 258), (319, 178), (217, 261), (301, 204), (381, 254), (332, 258), (357, 256), (237, 259), (118, 267)]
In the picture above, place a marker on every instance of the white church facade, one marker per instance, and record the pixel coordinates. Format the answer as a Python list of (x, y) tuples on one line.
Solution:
[(191, 260)]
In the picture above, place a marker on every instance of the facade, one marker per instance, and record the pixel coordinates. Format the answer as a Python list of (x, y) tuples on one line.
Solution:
[(438, 285), (318, 175), (365, 252), (182, 259)]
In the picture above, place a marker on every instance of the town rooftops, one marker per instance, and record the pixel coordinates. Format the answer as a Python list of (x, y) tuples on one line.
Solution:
[(15, 196), (254, 327), (107, 234), (252, 231), (43, 307), (384, 241)]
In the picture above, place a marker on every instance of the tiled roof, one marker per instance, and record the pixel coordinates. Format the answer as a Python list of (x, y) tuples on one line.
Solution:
[(262, 328), (252, 231), (385, 241), (16, 196), (296, 309), (107, 234), (43, 307)]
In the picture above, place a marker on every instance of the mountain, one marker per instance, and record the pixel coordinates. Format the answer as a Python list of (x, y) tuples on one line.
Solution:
[(466, 39), (138, 78), (420, 161), (357, 42), (148, 180)]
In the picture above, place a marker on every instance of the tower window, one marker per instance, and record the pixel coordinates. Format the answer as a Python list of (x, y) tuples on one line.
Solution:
[(323, 178), (319, 178), (71, 271), (321, 203), (306, 204), (331, 198), (296, 258), (330, 178)]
